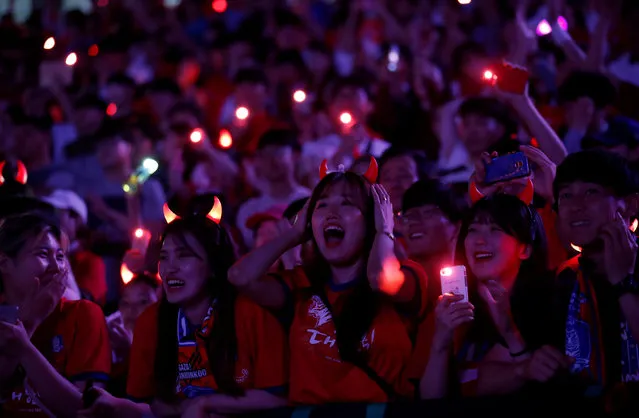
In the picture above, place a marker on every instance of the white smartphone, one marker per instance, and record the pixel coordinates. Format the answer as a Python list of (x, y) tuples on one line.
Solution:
[(9, 314), (454, 281)]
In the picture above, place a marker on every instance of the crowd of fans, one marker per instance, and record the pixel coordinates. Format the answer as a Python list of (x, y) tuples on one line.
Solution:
[(212, 208)]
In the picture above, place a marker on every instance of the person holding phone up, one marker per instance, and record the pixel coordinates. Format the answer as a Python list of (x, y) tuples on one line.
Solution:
[(503, 247)]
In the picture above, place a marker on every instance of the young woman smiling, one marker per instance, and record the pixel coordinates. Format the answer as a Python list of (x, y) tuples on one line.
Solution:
[(201, 349), (348, 339)]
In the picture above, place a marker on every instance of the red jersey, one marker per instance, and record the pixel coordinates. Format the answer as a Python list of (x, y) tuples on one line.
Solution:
[(75, 340), (318, 375), (261, 357)]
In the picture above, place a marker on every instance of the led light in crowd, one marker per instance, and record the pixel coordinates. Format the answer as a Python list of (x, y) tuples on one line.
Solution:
[(49, 43), (543, 28), (126, 274), (150, 165), (219, 6), (71, 60), (111, 109), (446, 271), (226, 140), (562, 22), (196, 136), (299, 96), (242, 113), (634, 225), (346, 118), (575, 247), (139, 233), (464, 2), (489, 75), (94, 50)]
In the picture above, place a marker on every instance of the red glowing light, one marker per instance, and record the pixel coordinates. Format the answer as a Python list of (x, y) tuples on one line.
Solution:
[(299, 96), (196, 136), (346, 118), (226, 140), (94, 50), (242, 113), (219, 6), (111, 109), (446, 271)]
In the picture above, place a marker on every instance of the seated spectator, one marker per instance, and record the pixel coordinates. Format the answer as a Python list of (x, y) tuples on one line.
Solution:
[(56, 346)]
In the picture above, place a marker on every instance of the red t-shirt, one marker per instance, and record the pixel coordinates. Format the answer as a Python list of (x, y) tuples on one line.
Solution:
[(318, 375), (261, 357), (90, 274), (75, 340)]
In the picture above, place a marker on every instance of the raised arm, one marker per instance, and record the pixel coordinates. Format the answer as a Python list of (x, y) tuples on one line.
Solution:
[(249, 273)]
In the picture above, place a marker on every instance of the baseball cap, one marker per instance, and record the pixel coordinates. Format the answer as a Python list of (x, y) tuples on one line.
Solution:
[(68, 200)]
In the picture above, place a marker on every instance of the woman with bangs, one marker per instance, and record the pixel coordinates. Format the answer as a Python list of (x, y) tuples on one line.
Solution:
[(345, 308), (503, 247), (201, 350)]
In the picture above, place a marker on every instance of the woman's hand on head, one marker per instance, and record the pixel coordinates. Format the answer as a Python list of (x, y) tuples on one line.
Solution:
[(384, 215), (450, 314), (43, 300)]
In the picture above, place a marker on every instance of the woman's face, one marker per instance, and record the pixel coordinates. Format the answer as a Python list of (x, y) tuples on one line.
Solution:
[(338, 224), (38, 263), (493, 254), (184, 269), (136, 297)]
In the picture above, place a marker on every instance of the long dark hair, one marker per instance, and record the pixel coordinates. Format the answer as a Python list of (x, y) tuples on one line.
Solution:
[(362, 305), (222, 341), (522, 222)]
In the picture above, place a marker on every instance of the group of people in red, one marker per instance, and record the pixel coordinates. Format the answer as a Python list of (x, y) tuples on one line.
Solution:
[(359, 320)]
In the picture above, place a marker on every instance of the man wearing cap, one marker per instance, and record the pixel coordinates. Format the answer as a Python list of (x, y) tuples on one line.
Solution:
[(86, 273)]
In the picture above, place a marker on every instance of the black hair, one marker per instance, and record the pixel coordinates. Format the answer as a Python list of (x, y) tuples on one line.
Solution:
[(433, 192), (460, 55), (600, 167), (121, 79), (522, 222), (354, 81), (164, 85), (363, 304), (90, 101), (186, 107), (279, 138), (16, 230), (490, 107), (593, 85), (222, 340), (250, 76), (421, 161), (294, 208)]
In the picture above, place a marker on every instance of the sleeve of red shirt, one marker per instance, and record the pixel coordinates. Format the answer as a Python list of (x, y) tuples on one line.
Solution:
[(140, 384), (419, 305), (262, 338), (90, 353), (291, 281)]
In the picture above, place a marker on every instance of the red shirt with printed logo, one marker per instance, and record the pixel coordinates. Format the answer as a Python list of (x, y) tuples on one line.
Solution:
[(261, 357), (75, 340), (318, 375)]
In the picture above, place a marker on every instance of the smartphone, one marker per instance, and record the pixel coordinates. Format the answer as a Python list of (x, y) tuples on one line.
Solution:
[(507, 167), (453, 280), (9, 314), (511, 78)]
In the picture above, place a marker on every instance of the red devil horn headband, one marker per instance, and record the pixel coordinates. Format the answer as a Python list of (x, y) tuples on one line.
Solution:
[(370, 174), (21, 172), (215, 214), (526, 195)]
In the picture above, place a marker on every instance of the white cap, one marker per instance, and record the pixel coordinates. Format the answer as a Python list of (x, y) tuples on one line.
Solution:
[(68, 200)]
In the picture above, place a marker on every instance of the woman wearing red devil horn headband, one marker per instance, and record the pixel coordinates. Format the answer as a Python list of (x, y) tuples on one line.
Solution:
[(342, 304), (201, 341)]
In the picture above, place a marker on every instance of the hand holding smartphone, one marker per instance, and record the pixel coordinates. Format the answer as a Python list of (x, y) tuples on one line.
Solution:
[(507, 167), (454, 281), (509, 78)]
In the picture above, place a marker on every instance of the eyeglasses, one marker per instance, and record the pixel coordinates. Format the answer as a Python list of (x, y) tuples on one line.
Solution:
[(419, 215)]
